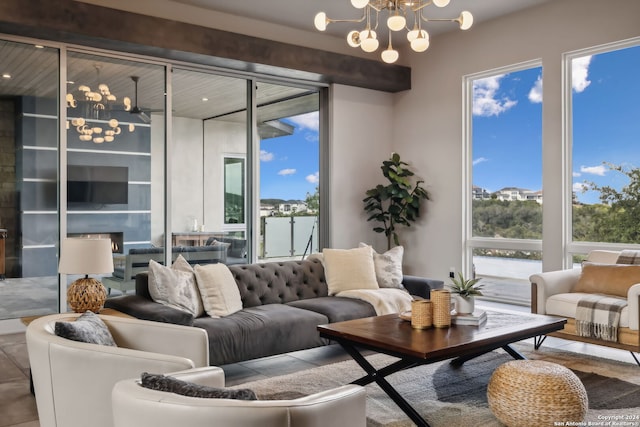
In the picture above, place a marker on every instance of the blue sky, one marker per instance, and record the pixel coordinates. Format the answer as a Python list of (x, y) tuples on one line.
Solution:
[(507, 124), (289, 164)]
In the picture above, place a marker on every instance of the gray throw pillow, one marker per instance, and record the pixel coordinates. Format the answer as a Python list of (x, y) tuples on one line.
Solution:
[(88, 328), (173, 385)]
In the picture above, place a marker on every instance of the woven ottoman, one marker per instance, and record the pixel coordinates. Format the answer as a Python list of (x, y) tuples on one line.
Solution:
[(535, 393)]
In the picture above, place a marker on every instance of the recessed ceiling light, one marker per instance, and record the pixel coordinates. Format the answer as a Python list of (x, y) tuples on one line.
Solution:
[(205, 99), (39, 46), (6, 75), (70, 82)]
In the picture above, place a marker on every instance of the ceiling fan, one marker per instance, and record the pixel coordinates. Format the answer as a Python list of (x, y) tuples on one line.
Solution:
[(135, 109)]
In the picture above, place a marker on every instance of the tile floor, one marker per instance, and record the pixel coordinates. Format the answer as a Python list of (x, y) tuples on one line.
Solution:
[(18, 408)]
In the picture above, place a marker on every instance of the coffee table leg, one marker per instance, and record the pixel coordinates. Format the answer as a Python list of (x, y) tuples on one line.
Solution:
[(378, 376), (459, 361)]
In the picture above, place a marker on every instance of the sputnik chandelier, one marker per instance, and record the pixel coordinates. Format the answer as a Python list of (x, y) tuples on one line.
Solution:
[(95, 122), (399, 12)]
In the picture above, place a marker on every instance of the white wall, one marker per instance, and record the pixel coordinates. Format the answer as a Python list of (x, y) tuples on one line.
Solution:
[(187, 173), (428, 119), (361, 138)]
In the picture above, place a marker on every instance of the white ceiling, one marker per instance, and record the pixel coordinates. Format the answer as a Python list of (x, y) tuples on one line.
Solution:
[(299, 14)]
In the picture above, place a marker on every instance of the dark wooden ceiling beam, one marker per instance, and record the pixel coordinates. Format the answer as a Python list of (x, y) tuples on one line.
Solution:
[(80, 23)]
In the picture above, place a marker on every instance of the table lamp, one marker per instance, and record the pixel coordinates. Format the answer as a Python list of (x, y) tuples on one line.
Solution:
[(86, 256)]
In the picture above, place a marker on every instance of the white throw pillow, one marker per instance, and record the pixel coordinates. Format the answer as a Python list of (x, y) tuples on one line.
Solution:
[(347, 269), (218, 288), (175, 286), (388, 267)]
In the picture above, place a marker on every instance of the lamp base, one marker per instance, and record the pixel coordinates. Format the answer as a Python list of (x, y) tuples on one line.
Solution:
[(86, 294)]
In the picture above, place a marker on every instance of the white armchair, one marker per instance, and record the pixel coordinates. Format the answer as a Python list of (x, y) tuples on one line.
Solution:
[(134, 405), (551, 293), (73, 380)]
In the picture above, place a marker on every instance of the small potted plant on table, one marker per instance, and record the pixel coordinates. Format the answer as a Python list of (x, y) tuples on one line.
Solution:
[(466, 290)]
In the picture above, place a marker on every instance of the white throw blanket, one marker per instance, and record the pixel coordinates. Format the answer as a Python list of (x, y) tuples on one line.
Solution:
[(383, 300), (598, 316)]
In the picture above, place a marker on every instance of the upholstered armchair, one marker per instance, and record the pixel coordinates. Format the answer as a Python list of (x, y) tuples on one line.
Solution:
[(134, 405), (73, 380), (556, 293)]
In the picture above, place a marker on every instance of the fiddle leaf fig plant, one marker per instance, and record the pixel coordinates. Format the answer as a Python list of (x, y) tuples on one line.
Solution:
[(398, 202)]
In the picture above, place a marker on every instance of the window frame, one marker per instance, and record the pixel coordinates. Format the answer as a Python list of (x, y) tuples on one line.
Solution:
[(577, 247), (470, 242)]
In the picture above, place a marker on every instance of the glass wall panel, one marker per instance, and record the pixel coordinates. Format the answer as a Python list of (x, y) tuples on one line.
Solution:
[(505, 185), (605, 156), (29, 81), (208, 164), (288, 130), (115, 157)]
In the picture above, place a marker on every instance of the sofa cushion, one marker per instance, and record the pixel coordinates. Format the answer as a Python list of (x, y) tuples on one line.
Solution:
[(169, 384), (218, 289), (609, 279), (88, 328), (388, 267), (565, 305), (261, 331), (347, 269), (175, 286), (336, 309)]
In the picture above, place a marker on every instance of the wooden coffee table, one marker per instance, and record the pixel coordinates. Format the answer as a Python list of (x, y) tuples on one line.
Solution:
[(394, 336)]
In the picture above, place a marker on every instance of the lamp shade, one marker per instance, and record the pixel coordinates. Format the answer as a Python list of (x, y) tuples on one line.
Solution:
[(85, 256)]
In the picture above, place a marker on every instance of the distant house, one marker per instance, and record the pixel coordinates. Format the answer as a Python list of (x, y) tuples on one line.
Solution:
[(292, 207), (479, 193), (518, 194)]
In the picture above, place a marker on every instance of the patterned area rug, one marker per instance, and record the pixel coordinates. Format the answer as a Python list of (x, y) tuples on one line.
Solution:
[(448, 396)]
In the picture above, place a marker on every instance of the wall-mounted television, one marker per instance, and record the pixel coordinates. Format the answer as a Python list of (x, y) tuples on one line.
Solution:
[(100, 185)]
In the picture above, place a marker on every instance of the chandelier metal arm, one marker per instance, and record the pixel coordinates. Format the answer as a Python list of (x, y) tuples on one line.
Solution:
[(357, 21)]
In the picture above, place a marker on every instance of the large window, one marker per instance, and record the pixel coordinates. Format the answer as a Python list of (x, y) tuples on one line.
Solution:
[(504, 190), (605, 167)]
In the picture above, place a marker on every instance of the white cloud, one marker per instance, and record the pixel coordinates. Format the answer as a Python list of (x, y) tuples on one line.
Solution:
[(576, 174), (535, 94), (309, 121), (313, 178), (580, 186), (480, 160), (580, 73), (285, 172), (594, 170), (311, 137), (265, 156), (485, 102)]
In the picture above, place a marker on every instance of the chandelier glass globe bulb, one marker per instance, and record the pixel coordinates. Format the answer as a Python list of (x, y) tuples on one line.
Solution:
[(320, 21), (369, 40), (396, 22), (390, 55), (465, 20), (359, 4), (441, 3), (420, 44), (353, 38)]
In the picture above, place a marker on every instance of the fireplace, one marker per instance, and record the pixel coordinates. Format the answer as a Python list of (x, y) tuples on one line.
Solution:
[(117, 239)]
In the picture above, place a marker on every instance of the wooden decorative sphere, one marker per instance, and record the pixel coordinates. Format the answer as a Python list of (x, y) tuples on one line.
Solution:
[(86, 294)]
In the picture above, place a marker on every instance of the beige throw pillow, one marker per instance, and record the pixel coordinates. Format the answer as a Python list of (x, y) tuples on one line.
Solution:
[(610, 279), (388, 267), (175, 286), (218, 289), (347, 269)]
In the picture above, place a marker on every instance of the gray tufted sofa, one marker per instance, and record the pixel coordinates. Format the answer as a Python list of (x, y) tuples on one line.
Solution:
[(283, 303)]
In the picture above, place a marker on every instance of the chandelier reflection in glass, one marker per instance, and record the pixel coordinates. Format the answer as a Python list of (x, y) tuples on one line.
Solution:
[(400, 14), (94, 107)]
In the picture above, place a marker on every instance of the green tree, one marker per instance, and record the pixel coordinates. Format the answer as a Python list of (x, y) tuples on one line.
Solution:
[(620, 222), (313, 201)]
